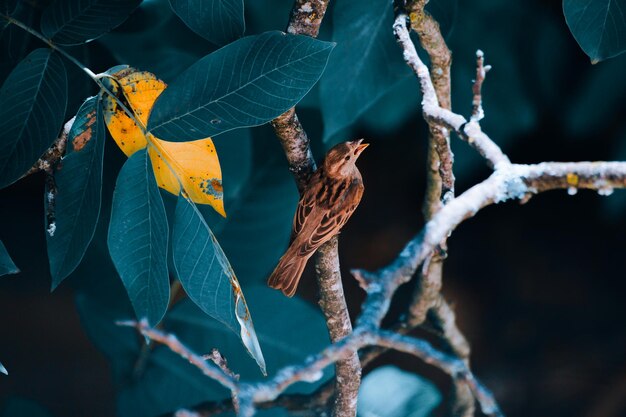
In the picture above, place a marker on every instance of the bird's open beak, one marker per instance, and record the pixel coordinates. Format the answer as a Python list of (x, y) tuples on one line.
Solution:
[(360, 147)]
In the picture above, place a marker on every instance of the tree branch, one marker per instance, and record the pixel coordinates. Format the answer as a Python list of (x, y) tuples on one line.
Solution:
[(306, 18), (433, 43)]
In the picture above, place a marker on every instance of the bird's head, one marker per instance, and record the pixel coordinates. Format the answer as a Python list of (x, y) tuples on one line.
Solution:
[(340, 159)]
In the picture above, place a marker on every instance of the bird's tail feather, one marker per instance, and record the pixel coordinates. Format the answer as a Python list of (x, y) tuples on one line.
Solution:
[(287, 274)]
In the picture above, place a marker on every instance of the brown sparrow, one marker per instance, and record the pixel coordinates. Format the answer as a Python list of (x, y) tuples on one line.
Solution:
[(331, 196)]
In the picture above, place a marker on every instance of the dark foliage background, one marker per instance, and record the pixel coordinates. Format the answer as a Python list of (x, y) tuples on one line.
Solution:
[(538, 288)]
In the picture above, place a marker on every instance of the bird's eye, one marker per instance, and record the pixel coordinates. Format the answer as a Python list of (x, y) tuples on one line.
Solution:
[(347, 158)]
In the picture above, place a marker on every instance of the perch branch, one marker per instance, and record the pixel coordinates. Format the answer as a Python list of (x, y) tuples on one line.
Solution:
[(306, 18)]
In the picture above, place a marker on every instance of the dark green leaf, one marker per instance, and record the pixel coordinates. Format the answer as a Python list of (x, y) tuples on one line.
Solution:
[(365, 65), (246, 83), (7, 266), (219, 21), (71, 22), (208, 278), (599, 26), (138, 235), (79, 183), (171, 382), (413, 396), (32, 106)]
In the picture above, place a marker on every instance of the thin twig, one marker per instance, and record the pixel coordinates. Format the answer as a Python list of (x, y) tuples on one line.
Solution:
[(477, 101), (210, 370), (220, 361)]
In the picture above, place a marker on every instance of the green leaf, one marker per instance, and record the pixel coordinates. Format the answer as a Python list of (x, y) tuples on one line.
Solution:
[(170, 382), (78, 179), (138, 235), (208, 278), (7, 266), (219, 21), (72, 22), (365, 65), (599, 26), (413, 396), (246, 83), (32, 106)]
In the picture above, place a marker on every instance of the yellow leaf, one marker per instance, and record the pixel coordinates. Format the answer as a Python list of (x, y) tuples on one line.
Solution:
[(195, 164), (201, 175)]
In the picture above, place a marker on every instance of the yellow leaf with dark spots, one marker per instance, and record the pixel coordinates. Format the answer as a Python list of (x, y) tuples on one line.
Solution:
[(194, 164), (201, 176)]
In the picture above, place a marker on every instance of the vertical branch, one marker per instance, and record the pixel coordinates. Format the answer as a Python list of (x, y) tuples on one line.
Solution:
[(440, 154), (306, 18), (440, 178), (428, 301), (333, 304), (295, 143)]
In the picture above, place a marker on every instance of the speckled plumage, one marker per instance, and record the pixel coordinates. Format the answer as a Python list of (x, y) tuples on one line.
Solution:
[(332, 194)]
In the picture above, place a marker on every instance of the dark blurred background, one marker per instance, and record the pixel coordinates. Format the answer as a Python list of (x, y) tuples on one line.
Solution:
[(538, 288)]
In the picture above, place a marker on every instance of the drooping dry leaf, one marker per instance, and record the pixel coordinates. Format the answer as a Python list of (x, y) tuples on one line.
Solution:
[(194, 164)]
